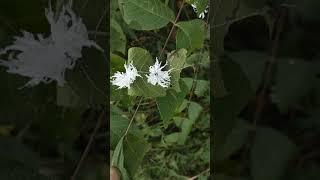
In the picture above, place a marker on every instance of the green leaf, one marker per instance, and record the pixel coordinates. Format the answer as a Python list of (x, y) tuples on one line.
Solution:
[(172, 138), (118, 159), (146, 14), (118, 126), (202, 87), (199, 58), (252, 63), (187, 124), (176, 60), (170, 103), (235, 140), (118, 39), (134, 148), (228, 108), (142, 59), (191, 34), (270, 153), (294, 80), (194, 111)]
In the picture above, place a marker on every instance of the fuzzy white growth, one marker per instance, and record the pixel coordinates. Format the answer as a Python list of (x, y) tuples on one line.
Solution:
[(125, 79), (46, 59), (202, 14), (157, 76)]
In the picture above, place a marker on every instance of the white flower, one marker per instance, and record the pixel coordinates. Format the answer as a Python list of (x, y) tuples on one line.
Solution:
[(124, 80), (202, 14), (157, 76), (46, 59)]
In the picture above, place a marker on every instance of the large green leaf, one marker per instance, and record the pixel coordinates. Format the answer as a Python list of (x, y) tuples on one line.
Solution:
[(169, 104), (191, 34), (270, 153), (252, 63), (118, 125), (142, 59), (134, 148), (146, 14), (118, 39), (176, 60)]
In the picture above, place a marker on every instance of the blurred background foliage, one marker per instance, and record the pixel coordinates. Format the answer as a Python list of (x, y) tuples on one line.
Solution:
[(265, 89), (44, 129)]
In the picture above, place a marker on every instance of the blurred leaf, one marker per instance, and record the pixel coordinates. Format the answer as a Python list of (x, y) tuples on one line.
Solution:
[(227, 108), (201, 58), (235, 140), (294, 80), (172, 138), (202, 87), (270, 153), (252, 63)]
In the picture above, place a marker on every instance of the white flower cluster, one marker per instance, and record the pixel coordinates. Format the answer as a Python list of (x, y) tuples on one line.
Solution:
[(202, 14), (156, 76), (125, 79), (46, 59)]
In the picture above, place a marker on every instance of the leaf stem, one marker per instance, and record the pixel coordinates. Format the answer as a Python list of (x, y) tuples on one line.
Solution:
[(171, 31)]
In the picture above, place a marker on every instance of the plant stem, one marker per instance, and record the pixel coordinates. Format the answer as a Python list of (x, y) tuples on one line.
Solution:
[(171, 31), (132, 118), (86, 151)]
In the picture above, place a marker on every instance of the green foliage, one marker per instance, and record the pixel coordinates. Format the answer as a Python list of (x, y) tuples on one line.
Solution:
[(169, 104), (176, 60), (118, 39), (191, 34), (146, 14), (271, 152)]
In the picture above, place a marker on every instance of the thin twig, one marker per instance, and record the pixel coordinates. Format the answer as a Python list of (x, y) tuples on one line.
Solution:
[(196, 176), (238, 19), (132, 118), (86, 151), (171, 31), (269, 71)]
